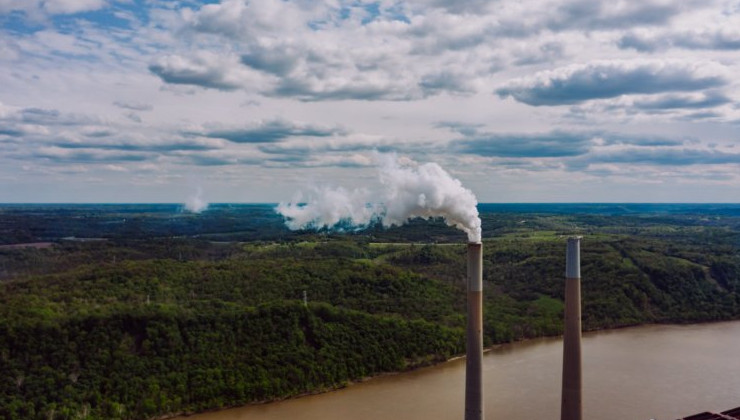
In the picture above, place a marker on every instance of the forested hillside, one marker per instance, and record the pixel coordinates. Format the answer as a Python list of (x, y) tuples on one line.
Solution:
[(131, 328)]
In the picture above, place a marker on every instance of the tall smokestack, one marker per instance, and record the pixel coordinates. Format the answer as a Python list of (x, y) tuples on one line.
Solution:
[(474, 345), (571, 402)]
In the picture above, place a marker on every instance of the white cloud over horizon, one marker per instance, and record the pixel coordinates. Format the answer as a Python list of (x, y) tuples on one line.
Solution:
[(538, 100)]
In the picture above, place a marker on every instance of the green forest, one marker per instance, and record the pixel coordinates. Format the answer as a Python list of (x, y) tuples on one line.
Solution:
[(149, 325)]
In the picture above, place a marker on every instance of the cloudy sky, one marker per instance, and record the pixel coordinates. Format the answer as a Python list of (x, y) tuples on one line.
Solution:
[(252, 101)]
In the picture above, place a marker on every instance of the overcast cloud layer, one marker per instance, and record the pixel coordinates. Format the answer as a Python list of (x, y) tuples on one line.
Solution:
[(534, 100)]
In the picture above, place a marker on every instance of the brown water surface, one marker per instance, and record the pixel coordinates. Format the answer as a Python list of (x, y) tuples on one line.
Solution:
[(661, 372)]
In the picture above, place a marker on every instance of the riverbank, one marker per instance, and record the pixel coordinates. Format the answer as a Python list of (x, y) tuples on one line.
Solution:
[(642, 372), (345, 385), (497, 349)]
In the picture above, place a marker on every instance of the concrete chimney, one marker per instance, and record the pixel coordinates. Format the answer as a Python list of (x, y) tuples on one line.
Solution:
[(474, 344), (571, 401)]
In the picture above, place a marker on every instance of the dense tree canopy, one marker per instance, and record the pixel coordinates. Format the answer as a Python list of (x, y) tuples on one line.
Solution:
[(135, 328)]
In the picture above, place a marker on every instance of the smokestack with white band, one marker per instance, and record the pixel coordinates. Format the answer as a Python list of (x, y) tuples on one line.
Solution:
[(474, 345), (571, 401)]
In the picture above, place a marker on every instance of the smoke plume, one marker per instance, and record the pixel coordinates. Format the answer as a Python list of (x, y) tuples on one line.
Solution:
[(406, 190), (328, 208), (195, 203)]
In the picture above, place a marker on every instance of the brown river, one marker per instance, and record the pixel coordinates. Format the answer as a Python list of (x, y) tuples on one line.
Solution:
[(660, 372)]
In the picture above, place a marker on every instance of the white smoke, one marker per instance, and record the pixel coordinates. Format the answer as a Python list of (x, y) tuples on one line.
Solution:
[(407, 190), (195, 203), (329, 207), (427, 191)]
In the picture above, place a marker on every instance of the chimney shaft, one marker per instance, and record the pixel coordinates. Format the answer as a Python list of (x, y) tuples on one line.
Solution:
[(571, 399), (474, 344)]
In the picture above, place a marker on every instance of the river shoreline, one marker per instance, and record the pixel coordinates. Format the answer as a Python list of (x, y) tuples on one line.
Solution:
[(319, 391), (492, 348)]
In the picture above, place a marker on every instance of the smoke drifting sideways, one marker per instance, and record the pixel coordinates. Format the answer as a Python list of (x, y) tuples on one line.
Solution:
[(195, 203), (405, 190)]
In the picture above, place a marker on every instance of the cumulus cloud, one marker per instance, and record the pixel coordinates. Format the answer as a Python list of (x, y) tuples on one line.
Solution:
[(271, 131), (458, 6), (343, 144), (666, 156), (645, 140), (50, 117), (544, 53), (65, 137), (335, 160), (375, 87), (280, 61), (11, 132), (607, 79), (466, 129), (218, 157), (163, 82), (72, 6), (708, 99), (62, 155), (702, 115), (240, 157), (586, 14), (338, 78), (667, 106), (37, 122), (38, 8), (324, 52), (208, 70), (724, 39), (239, 18), (143, 145), (530, 17), (552, 144), (133, 106), (9, 50), (445, 81)]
